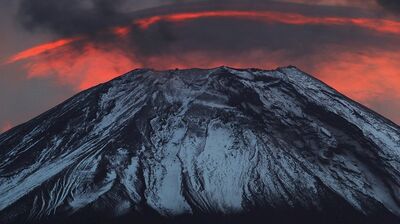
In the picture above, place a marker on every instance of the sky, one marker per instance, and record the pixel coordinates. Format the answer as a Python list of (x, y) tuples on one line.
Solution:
[(51, 50)]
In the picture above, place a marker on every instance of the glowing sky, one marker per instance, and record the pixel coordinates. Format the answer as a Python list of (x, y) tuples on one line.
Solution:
[(51, 51)]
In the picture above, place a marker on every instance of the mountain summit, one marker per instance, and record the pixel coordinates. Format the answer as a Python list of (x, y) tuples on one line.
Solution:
[(220, 145)]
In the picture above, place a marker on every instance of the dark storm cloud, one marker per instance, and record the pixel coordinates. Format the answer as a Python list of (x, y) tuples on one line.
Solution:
[(223, 39), (72, 17), (75, 17), (391, 5), (220, 35), (229, 36), (69, 17)]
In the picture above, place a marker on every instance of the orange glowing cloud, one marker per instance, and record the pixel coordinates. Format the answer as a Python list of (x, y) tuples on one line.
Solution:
[(121, 31), (367, 77), (93, 64), (6, 126), (380, 25), (83, 69), (364, 76), (40, 49), (371, 78)]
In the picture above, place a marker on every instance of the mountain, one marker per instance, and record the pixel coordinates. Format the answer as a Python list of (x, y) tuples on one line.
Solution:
[(193, 146)]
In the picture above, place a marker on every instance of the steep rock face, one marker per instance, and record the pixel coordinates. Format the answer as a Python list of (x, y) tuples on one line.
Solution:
[(203, 145)]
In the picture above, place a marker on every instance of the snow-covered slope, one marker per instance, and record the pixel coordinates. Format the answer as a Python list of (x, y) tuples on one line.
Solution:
[(203, 144)]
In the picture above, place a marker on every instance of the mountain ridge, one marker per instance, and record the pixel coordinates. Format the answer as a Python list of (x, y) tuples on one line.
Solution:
[(168, 142), (219, 67)]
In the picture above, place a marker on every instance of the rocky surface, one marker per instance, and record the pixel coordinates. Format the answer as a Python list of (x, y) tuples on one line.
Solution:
[(219, 145)]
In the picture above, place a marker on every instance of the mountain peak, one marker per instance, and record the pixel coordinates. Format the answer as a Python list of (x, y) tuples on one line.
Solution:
[(203, 144)]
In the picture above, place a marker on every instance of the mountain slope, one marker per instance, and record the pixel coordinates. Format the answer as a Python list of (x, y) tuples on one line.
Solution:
[(216, 145)]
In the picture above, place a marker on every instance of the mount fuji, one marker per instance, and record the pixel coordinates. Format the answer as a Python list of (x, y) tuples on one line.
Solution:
[(216, 145)]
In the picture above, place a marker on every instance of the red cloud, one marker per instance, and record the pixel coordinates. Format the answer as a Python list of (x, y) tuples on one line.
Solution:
[(121, 31), (364, 76), (380, 25), (40, 49), (6, 126), (81, 69), (368, 77), (371, 78)]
